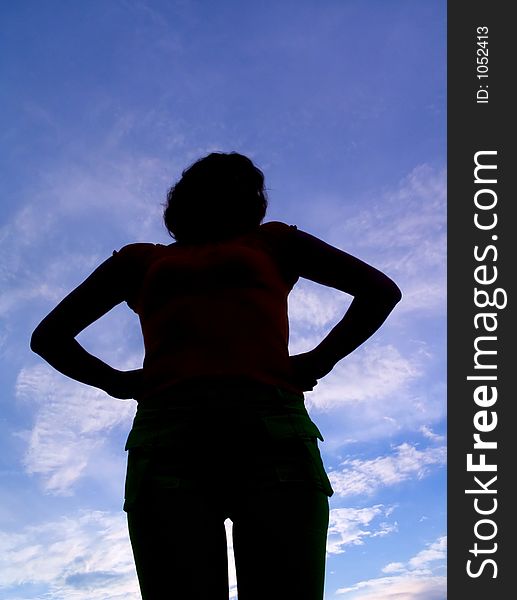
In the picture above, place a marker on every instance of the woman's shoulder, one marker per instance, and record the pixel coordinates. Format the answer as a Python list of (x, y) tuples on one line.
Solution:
[(137, 256), (138, 250), (277, 238), (277, 227), (131, 262), (277, 233)]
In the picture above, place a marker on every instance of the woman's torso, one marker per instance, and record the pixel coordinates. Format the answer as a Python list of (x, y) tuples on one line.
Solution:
[(215, 310)]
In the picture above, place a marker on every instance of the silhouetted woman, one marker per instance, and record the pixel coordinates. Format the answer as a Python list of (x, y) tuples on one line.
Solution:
[(221, 430)]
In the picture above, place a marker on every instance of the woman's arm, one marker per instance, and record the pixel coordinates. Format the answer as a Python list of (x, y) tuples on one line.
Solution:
[(54, 338), (375, 296)]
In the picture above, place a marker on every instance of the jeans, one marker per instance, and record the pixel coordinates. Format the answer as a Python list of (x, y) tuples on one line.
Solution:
[(249, 454)]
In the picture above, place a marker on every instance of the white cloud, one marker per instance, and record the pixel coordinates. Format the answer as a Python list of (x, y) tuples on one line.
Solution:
[(110, 200), (70, 422), (377, 392), (87, 557), (404, 234), (116, 192), (26, 279), (423, 296), (436, 551), (411, 216), (351, 526), (394, 567), (417, 579), (373, 372), (428, 433), (312, 306), (404, 587), (368, 476)]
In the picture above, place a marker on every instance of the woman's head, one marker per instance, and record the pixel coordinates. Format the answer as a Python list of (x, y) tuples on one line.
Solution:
[(219, 196)]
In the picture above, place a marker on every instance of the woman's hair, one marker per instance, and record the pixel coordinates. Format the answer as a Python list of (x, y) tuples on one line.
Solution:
[(219, 196)]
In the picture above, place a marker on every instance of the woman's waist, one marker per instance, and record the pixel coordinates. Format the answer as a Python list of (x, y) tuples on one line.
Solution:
[(192, 355), (204, 409), (205, 378), (219, 390)]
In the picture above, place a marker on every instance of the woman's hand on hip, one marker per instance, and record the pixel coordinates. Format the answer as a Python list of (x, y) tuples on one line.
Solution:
[(306, 369), (126, 385)]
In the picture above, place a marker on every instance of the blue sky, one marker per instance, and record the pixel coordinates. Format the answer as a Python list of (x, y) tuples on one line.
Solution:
[(342, 104)]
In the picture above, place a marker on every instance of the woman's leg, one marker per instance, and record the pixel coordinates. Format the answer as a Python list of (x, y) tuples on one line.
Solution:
[(279, 542), (180, 549)]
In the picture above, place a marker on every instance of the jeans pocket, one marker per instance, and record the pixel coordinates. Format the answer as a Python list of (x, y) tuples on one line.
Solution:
[(151, 474), (160, 427), (311, 445), (293, 450)]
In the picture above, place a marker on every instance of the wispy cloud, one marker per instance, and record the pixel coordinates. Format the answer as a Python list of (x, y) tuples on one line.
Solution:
[(113, 197), (373, 372), (378, 391), (419, 578), (436, 551), (86, 556), (70, 422), (313, 307), (403, 587), (352, 526), (369, 476), (428, 433), (409, 217), (25, 284), (405, 234)]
